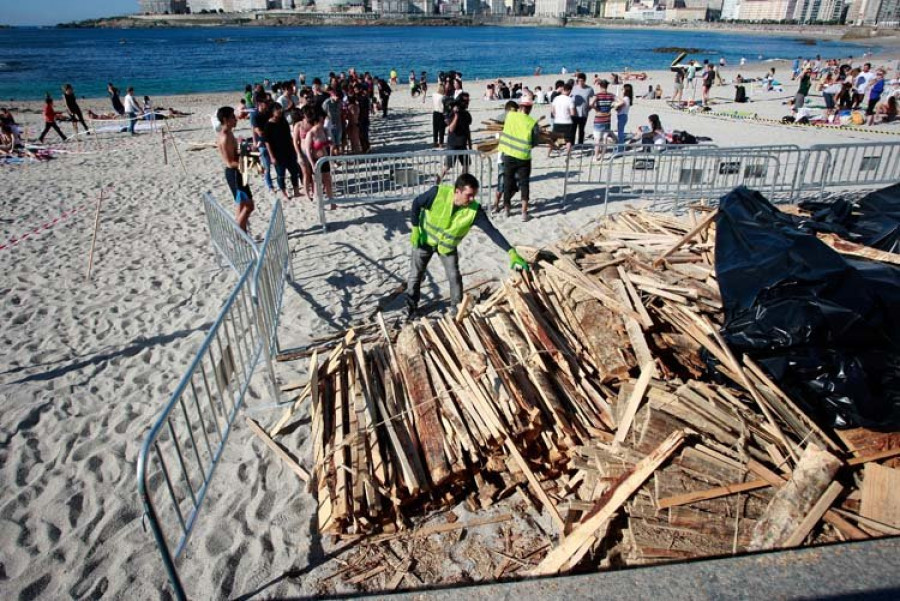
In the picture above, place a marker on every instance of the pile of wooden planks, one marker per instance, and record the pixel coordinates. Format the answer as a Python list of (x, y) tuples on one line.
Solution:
[(598, 387), (554, 140)]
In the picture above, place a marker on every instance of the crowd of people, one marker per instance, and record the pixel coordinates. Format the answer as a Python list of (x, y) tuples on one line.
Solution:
[(855, 93)]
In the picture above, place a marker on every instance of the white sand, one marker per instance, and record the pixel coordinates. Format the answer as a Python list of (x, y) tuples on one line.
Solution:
[(87, 364)]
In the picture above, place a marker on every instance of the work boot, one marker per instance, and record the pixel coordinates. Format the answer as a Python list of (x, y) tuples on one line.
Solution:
[(411, 310)]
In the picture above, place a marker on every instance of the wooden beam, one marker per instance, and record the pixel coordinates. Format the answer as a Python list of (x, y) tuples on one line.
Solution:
[(567, 555), (710, 493), (424, 403), (535, 485), (704, 223), (634, 401), (811, 477), (282, 454), (815, 514)]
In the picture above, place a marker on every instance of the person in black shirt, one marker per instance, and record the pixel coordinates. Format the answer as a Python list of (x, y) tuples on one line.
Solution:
[(459, 133), (117, 105), (258, 121), (365, 105), (709, 76), (73, 108), (281, 150), (319, 96), (384, 94)]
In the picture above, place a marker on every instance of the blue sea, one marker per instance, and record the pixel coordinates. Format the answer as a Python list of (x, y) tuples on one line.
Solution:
[(176, 61)]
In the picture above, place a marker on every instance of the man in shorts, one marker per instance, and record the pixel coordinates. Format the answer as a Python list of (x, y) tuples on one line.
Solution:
[(603, 107), (228, 150), (332, 108)]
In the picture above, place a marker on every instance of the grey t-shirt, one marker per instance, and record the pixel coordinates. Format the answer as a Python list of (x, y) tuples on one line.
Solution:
[(582, 99), (332, 109)]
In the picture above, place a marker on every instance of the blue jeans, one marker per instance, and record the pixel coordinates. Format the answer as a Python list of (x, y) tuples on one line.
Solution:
[(291, 167), (622, 121), (132, 121), (266, 165)]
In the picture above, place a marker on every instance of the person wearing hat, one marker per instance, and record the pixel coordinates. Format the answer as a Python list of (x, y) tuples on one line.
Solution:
[(441, 218), (521, 133)]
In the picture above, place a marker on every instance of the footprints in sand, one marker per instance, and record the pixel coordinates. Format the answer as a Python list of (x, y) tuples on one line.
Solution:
[(76, 506)]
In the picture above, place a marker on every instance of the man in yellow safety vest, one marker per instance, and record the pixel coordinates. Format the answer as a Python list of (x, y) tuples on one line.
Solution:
[(441, 218), (520, 134)]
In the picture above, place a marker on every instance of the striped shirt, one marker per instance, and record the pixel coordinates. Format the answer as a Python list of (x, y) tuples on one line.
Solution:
[(603, 103)]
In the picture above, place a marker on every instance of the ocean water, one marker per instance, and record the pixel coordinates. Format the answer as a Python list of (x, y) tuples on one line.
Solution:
[(175, 61)]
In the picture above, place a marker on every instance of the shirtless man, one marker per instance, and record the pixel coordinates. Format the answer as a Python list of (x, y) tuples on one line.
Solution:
[(228, 150)]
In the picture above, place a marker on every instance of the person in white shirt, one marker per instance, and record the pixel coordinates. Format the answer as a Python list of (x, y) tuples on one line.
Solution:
[(131, 110), (860, 83), (622, 107), (438, 124), (562, 109)]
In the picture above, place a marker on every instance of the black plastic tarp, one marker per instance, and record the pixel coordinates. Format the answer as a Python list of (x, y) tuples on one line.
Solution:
[(826, 327), (873, 220)]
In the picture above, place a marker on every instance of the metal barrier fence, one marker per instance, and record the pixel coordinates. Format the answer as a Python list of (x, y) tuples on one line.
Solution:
[(854, 165), (185, 443), (273, 269), (236, 248), (782, 172), (387, 177), (687, 175), (583, 169)]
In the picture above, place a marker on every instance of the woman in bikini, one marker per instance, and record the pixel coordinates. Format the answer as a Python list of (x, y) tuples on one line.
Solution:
[(298, 132), (317, 145)]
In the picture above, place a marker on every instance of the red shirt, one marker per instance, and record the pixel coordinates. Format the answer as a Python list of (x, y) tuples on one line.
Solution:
[(49, 113)]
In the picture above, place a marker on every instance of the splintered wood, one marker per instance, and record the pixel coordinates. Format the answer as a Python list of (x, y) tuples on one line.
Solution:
[(598, 386)]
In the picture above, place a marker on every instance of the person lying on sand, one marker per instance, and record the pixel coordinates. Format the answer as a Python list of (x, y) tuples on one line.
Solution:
[(102, 116)]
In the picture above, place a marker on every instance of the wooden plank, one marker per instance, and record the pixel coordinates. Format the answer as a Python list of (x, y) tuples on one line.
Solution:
[(399, 574), (340, 457), (869, 522), (368, 574), (370, 418), (815, 514), (710, 493), (535, 485), (811, 477), (463, 308), (881, 494), (589, 288), (634, 401), (756, 370), (704, 223), (277, 448), (567, 554), (646, 321), (633, 327), (424, 404)]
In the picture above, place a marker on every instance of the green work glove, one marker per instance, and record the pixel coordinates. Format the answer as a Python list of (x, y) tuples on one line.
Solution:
[(517, 262), (417, 238)]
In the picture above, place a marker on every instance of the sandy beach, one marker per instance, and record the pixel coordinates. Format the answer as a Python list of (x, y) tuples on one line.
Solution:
[(85, 365)]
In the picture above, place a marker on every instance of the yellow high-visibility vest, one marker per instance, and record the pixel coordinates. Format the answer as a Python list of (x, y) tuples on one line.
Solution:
[(446, 225), (515, 141)]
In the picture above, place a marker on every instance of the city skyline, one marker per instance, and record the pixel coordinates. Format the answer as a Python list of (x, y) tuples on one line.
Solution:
[(53, 12)]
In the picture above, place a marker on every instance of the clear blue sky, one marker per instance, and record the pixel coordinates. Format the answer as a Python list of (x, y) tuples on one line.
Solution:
[(51, 12)]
